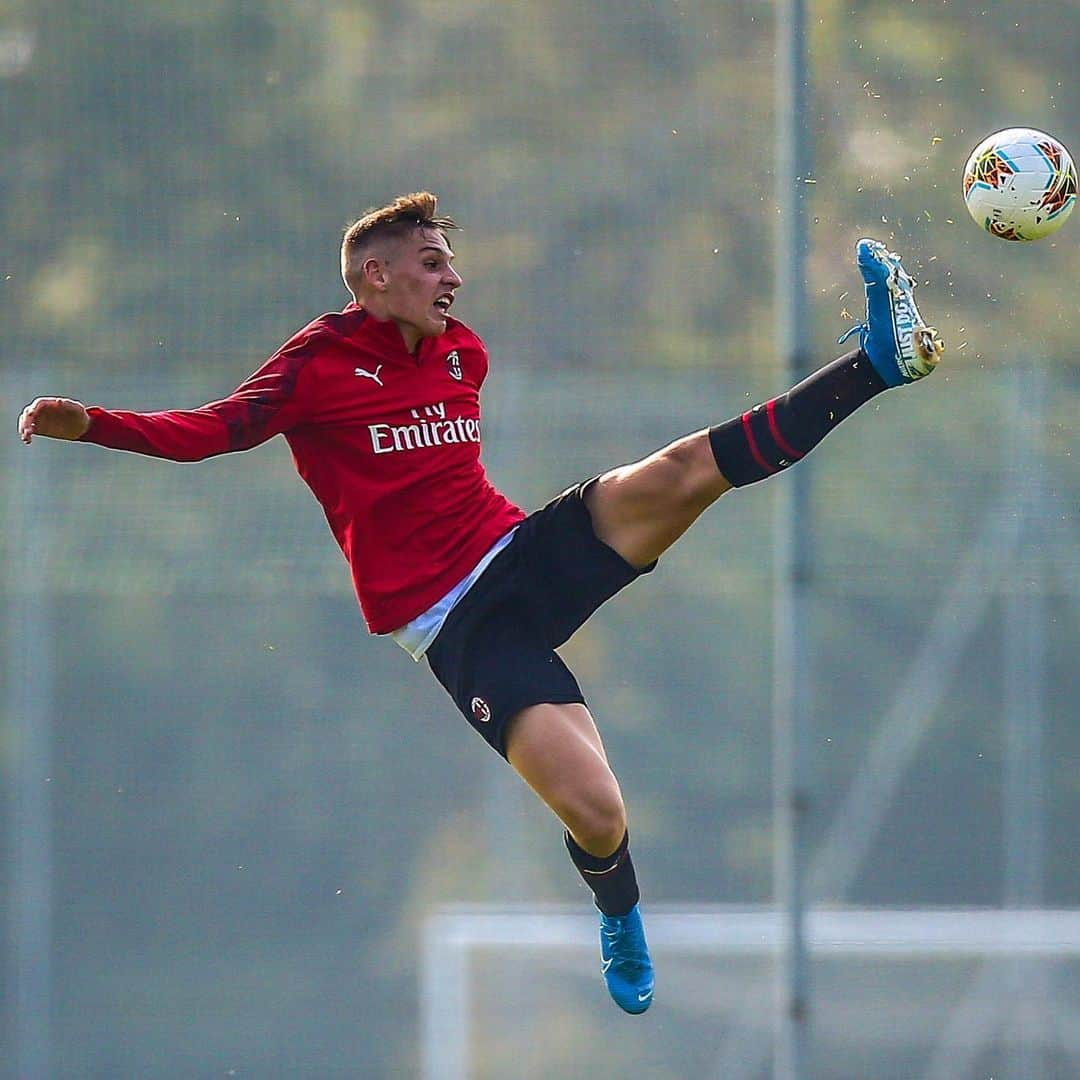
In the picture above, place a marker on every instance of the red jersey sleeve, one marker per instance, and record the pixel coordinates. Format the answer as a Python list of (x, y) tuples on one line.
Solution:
[(269, 403)]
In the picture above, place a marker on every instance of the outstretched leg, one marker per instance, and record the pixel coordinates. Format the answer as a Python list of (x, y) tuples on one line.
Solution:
[(641, 509)]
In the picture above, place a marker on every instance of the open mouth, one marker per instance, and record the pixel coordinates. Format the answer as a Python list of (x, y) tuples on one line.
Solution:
[(442, 304)]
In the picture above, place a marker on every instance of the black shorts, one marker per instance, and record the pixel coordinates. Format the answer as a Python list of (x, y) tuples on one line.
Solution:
[(495, 654)]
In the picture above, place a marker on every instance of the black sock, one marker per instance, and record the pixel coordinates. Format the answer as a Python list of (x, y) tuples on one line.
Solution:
[(611, 878), (773, 436)]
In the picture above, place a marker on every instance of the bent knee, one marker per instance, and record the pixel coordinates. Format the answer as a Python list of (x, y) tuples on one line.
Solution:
[(596, 818)]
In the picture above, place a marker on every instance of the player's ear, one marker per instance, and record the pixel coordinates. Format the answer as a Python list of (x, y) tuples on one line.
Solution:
[(373, 273)]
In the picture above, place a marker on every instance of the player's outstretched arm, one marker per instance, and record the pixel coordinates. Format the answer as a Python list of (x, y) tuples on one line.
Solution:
[(268, 403), (54, 417)]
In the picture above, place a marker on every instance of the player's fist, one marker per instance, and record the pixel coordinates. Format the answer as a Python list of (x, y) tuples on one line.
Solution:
[(58, 418)]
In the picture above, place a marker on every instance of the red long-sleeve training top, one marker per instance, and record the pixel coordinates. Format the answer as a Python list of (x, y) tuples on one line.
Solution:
[(389, 443)]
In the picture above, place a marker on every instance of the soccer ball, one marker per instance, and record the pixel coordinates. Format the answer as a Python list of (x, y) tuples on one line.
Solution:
[(1020, 184)]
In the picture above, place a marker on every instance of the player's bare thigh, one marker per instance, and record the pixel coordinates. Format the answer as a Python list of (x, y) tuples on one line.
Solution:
[(558, 752), (641, 509)]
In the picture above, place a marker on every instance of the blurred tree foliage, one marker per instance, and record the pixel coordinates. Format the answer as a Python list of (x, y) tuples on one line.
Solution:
[(252, 818), (179, 174)]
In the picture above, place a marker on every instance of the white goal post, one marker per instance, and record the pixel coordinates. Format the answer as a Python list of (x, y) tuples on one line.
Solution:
[(451, 934)]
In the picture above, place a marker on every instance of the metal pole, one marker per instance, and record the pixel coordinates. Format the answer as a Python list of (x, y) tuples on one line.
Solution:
[(1024, 676), (792, 669), (444, 1002), (29, 706)]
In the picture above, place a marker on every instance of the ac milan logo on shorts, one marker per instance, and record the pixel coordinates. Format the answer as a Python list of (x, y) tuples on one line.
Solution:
[(481, 710), (453, 362)]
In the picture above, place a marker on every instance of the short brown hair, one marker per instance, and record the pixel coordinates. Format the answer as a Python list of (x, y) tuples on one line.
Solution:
[(391, 222)]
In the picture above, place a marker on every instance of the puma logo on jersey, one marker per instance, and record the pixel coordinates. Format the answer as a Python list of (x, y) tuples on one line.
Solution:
[(374, 375)]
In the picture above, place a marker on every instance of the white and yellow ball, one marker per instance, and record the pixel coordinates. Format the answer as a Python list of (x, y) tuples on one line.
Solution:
[(1020, 184)]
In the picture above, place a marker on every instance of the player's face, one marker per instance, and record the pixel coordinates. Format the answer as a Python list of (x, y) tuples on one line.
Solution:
[(420, 284)]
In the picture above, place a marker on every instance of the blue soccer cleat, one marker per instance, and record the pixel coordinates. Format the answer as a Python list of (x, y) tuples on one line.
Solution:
[(626, 965), (900, 345)]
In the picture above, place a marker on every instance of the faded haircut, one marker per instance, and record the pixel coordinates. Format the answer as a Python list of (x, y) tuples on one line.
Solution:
[(391, 222)]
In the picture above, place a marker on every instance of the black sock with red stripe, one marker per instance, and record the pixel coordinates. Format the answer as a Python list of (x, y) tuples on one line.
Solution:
[(611, 878), (774, 435)]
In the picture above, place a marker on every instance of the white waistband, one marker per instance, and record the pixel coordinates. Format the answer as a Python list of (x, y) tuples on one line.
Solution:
[(415, 636)]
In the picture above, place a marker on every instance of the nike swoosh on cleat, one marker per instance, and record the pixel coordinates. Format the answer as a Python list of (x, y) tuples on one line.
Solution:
[(645, 997), (605, 965)]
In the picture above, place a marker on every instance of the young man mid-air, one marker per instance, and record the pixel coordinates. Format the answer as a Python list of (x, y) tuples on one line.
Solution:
[(380, 405)]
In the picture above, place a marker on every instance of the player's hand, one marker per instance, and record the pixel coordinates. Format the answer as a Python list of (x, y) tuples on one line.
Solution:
[(58, 418)]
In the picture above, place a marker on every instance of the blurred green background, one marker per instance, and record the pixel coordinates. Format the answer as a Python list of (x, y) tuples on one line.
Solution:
[(253, 807)]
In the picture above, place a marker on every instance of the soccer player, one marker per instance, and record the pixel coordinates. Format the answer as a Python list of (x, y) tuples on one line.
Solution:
[(380, 405)]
